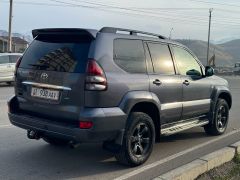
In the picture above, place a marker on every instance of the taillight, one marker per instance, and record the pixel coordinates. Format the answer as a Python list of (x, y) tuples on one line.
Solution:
[(85, 124), (95, 78), (17, 64)]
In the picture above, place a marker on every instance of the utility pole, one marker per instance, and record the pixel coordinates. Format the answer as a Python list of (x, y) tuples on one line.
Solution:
[(10, 27), (209, 32), (170, 33)]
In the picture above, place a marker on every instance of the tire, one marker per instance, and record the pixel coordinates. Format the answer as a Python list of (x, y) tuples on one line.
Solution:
[(138, 140), (220, 120), (55, 141)]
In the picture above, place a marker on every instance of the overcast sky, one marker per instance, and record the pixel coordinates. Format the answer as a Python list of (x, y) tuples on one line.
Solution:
[(188, 18)]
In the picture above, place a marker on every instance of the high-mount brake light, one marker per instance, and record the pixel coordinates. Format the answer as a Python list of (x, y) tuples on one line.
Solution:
[(95, 77)]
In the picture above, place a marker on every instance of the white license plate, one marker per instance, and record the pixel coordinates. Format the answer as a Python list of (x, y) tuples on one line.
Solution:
[(45, 93)]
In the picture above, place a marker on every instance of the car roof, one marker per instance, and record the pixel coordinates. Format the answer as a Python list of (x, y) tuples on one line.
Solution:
[(9, 54), (136, 34)]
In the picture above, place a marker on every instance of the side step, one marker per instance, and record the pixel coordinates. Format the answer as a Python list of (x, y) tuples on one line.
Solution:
[(183, 126)]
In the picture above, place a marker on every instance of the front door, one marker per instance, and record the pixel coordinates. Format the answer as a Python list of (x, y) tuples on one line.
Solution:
[(196, 87), (164, 82)]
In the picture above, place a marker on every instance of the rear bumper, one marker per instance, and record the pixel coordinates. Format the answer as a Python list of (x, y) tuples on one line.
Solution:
[(108, 124)]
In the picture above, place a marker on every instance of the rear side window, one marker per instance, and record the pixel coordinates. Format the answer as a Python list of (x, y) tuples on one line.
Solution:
[(129, 55), (13, 58), (162, 59), (4, 59), (62, 53)]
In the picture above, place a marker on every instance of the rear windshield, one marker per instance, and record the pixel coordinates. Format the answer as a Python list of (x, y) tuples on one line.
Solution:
[(62, 53)]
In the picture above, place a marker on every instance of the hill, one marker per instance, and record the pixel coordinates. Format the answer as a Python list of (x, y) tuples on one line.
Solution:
[(225, 53), (233, 48)]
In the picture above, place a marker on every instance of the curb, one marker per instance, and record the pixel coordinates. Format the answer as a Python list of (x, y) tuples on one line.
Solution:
[(203, 164)]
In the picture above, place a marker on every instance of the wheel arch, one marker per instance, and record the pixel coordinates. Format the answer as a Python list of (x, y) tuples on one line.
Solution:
[(227, 97), (143, 101), (219, 92)]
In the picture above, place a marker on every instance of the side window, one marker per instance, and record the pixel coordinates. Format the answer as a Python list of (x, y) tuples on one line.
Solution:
[(13, 58), (129, 55), (4, 59), (162, 59), (185, 61)]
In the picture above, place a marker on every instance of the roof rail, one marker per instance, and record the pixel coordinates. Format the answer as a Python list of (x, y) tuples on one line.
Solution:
[(131, 32)]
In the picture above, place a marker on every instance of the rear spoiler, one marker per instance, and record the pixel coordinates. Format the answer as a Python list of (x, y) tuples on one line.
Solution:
[(71, 31)]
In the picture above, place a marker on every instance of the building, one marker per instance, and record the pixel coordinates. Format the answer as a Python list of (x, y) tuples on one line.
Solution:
[(18, 44)]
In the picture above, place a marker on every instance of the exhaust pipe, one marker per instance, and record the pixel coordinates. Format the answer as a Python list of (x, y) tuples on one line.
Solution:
[(31, 134), (74, 145)]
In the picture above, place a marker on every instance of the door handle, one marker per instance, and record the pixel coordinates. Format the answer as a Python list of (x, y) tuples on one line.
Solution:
[(186, 82), (157, 82)]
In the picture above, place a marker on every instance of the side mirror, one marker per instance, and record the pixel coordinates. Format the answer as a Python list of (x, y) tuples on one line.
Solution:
[(193, 72), (209, 71)]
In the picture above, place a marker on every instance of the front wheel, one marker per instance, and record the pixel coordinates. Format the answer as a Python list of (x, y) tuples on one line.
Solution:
[(138, 140), (220, 120)]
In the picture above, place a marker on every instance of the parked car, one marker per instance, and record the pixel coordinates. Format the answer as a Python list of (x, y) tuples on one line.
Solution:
[(7, 66), (125, 90)]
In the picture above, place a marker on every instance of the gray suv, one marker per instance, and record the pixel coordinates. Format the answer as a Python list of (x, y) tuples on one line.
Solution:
[(122, 87)]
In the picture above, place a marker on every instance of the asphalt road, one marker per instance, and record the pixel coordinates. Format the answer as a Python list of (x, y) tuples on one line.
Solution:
[(21, 158)]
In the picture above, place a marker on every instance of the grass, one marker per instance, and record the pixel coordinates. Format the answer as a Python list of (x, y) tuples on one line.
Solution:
[(234, 172)]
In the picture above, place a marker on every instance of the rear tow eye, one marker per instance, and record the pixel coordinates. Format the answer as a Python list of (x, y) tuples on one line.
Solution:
[(33, 134)]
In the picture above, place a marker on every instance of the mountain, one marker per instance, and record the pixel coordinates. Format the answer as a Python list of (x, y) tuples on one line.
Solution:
[(233, 48), (226, 39), (226, 54)]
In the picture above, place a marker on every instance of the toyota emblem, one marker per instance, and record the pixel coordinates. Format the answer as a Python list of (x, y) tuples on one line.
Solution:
[(44, 76)]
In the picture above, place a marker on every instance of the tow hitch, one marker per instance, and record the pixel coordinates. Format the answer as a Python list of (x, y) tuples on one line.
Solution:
[(31, 134)]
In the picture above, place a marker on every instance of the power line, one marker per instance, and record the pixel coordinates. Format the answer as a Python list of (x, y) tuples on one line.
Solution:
[(216, 3), (191, 20)]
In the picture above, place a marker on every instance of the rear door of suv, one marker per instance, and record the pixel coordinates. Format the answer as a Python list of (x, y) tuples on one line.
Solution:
[(12, 60), (5, 67), (51, 76), (164, 81)]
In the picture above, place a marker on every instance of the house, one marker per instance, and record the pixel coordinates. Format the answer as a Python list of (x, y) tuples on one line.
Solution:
[(18, 44)]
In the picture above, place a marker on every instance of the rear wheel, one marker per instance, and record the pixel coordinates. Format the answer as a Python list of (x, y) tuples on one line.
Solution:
[(55, 141), (138, 140), (220, 121)]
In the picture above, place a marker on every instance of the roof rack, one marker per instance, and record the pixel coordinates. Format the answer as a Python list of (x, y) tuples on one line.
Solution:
[(131, 32)]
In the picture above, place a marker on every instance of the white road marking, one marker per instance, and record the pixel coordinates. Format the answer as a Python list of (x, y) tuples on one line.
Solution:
[(169, 158), (6, 126)]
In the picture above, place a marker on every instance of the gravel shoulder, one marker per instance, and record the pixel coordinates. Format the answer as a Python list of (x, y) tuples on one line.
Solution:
[(228, 171)]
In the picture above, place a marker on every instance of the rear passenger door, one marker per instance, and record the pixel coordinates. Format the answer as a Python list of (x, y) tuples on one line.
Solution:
[(5, 67), (164, 82), (12, 60)]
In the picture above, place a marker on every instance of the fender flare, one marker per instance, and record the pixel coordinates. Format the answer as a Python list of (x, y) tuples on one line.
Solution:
[(130, 99), (217, 91)]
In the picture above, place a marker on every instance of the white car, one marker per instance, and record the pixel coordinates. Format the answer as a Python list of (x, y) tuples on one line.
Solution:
[(7, 66)]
